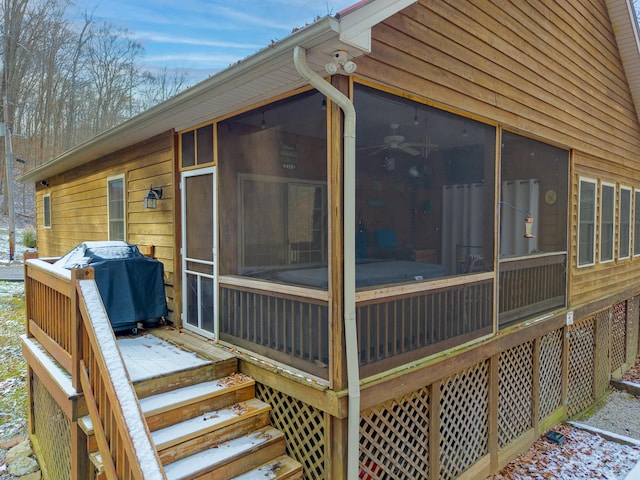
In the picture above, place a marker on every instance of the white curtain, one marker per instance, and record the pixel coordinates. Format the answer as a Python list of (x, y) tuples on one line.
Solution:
[(462, 222), (519, 200)]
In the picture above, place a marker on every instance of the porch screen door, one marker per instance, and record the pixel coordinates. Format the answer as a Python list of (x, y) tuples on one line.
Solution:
[(199, 251)]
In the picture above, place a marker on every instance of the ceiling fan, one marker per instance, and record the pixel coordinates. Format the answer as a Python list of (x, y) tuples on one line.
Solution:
[(396, 141)]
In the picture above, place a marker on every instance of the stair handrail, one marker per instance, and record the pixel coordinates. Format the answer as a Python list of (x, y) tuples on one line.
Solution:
[(108, 391)]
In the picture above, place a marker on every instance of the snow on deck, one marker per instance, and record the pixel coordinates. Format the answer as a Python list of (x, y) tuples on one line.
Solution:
[(148, 356)]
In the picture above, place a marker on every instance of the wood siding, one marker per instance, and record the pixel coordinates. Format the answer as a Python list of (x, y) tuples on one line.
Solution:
[(79, 203), (550, 70)]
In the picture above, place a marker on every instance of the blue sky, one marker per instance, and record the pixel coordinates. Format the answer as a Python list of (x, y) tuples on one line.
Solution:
[(206, 36)]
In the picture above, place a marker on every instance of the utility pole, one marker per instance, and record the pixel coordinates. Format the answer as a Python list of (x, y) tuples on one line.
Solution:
[(8, 149)]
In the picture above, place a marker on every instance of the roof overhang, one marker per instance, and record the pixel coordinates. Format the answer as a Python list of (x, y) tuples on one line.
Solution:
[(264, 75), (625, 27)]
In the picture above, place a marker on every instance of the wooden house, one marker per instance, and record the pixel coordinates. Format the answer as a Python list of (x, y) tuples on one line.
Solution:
[(415, 225)]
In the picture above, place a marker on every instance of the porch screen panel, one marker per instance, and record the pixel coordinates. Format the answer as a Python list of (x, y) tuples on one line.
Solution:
[(199, 224)]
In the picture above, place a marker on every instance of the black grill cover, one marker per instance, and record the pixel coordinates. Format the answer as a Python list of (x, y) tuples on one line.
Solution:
[(130, 284)]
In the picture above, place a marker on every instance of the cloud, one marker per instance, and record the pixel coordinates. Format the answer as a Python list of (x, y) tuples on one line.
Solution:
[(182, 40)]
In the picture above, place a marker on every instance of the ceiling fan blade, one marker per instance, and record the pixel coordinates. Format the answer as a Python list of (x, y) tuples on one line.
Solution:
[(407, 149), (379, 149)]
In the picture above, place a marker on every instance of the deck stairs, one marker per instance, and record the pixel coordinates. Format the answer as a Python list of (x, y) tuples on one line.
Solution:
[(208, 429)]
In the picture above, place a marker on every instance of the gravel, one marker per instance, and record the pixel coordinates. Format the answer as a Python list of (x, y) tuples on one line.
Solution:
[(619, 413)]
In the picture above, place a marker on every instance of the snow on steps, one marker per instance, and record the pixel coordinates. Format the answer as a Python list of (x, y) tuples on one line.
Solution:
[(230, 458), (214, 429), (197, 432), (281, 468)]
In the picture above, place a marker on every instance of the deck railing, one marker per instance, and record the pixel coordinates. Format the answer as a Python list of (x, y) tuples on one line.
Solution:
[(66, 316), (395, 324), (400, 324), (289, 326), (531, 285)]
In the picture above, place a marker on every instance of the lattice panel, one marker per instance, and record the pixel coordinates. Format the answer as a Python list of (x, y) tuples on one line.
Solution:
[(581, 362), (515, 385), (550, 373), (618, 335), (303, 427), (602, 352), (52, 431), (464, 420), (394, 438), (633, 327)]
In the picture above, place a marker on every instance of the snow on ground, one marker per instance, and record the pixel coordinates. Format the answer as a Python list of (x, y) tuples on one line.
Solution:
[(583, 455)]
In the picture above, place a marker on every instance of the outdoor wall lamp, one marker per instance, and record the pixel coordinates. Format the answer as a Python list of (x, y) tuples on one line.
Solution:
[(152, 197), (528, 220), (340, 59)]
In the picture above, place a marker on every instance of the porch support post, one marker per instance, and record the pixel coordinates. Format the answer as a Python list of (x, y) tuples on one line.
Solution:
[(494, 405), (435, 397), (535, 387)]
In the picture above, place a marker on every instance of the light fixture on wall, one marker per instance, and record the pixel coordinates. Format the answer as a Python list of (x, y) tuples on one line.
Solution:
[(528, 220), (152, 197), (340, 59)]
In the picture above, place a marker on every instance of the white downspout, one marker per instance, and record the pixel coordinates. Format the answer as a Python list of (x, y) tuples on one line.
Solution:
[(351, 338)]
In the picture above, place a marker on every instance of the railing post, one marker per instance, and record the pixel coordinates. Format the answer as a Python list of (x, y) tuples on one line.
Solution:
[(79, 454), (75, 323), (28, 255)]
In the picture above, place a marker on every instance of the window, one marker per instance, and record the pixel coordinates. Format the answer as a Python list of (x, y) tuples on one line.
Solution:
[(196, 146), (586, 222), (116, 209), (607, 221), (46, 208), (624, 225), (636, 223)]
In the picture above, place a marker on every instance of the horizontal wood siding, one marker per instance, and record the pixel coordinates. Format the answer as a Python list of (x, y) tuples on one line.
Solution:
[(547, 69), (619, 276), (79, 203)]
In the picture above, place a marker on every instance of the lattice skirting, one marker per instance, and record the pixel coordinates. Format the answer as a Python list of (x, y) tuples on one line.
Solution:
[(303, 427), (515, 392), (394, 438), (52, 430)]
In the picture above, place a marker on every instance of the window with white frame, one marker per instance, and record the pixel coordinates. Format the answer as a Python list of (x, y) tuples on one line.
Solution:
[(586, 222), (116, 207), (46, 210), (607, 221), (636, 223), (624, 223)]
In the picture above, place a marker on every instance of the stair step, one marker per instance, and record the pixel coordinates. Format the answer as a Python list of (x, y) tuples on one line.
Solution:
[(230, 458), (165, 409), (281, 468), (215, 420), (184, 378), (183, 398)]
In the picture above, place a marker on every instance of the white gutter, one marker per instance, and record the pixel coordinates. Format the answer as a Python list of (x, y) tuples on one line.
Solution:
[(351, 338)]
